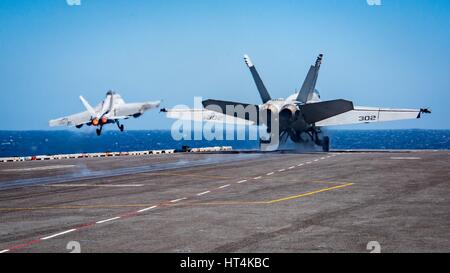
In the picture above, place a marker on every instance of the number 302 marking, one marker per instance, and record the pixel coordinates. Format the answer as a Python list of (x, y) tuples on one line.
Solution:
[(367, 118)]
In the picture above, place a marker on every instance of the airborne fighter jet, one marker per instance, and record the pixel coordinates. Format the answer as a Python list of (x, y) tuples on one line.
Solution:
[(299, 116), (110, 110)]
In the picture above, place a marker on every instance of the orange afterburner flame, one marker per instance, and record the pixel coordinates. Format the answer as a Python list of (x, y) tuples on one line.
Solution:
[(104, 120), (95, 121)]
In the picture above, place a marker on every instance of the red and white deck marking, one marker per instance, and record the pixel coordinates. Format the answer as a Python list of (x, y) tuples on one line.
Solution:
[(58, 234), (149, 208), (178, 200)]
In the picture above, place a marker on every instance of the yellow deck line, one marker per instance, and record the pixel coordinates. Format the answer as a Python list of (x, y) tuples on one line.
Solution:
[(308, 193), (190, 203)]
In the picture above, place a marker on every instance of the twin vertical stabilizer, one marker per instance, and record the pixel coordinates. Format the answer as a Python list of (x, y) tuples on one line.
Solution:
[(309, 84), (265, 97)]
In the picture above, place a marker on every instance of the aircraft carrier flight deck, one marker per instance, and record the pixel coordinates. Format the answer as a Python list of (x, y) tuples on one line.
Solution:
[(228, 202)]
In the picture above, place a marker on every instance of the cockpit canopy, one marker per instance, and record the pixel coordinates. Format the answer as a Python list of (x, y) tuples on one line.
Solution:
[(314, 96)]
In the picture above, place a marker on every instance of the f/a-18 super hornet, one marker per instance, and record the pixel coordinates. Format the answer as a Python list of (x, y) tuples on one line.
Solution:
[(299, 117), (110, 110)]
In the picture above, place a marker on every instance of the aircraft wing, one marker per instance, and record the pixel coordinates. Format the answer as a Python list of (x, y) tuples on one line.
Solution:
[(361, 114), (204, 115), (72, 120), (244, 111), (318, 111), (132, 109)]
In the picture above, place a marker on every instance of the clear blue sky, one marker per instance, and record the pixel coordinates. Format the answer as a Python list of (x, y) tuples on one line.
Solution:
[(394, 55)]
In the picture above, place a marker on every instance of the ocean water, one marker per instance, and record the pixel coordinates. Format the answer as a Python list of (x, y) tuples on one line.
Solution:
[(28, 143)]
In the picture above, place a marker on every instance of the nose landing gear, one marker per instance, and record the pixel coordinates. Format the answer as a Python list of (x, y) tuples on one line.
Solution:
[(315, 135)]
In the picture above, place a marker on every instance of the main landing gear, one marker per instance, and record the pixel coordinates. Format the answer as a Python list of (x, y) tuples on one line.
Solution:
[(120, 126), (326, 144), (319, 139), (99, 130)]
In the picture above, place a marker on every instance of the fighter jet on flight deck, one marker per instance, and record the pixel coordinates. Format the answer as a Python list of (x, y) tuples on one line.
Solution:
[(300, 116)]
